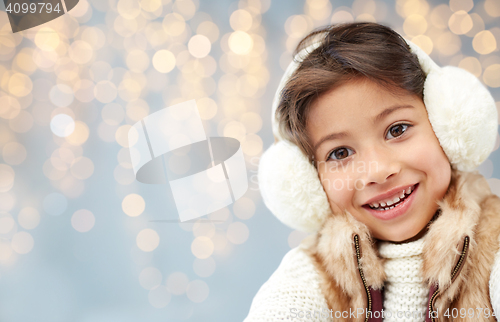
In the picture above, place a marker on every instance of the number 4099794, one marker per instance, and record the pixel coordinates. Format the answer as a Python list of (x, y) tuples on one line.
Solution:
[(32, 7), (471, 313)]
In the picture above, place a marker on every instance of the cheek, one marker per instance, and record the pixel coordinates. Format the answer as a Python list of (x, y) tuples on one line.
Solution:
[(339, 188), (428, 156)]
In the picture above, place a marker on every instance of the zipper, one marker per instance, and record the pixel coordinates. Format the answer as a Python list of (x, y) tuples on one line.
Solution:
[(431, 302), (358, 259), (461, 260), (454, 275)]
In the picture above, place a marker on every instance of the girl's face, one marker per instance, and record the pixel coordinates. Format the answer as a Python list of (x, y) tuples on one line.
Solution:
[(372, 147)]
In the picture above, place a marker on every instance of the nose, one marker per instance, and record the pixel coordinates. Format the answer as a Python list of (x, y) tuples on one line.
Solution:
[(382, 165)]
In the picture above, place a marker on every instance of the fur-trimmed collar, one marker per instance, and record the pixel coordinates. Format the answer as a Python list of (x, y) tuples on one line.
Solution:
[(332, 248)]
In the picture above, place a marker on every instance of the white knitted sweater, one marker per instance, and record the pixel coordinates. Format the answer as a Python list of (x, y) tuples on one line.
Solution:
[(293, 289), (405, 293)]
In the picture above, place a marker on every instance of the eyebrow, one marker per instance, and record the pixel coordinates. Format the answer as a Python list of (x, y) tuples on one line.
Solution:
[(376, 119)]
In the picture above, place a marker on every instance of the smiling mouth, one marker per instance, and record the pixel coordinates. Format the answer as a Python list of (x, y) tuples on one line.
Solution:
[(385, 207)]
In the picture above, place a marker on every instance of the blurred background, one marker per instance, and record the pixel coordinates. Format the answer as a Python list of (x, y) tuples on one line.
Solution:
[(82, 240)]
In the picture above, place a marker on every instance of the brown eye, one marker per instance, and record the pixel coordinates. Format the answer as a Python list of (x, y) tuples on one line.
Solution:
[(398, 130), (339, 154)]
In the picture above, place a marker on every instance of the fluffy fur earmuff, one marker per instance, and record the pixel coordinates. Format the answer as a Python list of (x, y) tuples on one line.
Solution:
[(462, 114), (461, 111)]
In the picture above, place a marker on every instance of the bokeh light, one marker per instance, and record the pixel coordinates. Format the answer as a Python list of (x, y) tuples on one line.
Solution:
[(207, 108), (202, 247), (237, 233), (240, 42), (22, 242), (159, 297), (79, 135), (7, 201), (105, 91), (113, 114), (5, 250), (82, 220), (177, 283), (244, 208), (484, 42), (62, 125), (28, 218), (164, 61), (82, 168), (491, 76), (492, 8), (80, 52), (150, 277), (415, 25), (20, 85), (201, 228), (84, 90), (147, 240), (472, 65), (7, 176), (197, 291), (9, 107), (199, 46), (47, 39), (241, 20), (133, 205), (61, 95), (137, 61), (460, 22), (14, 153), (7, 223)]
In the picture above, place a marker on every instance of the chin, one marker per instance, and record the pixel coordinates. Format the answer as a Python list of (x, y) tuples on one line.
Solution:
[(399, 239), (404, 236)]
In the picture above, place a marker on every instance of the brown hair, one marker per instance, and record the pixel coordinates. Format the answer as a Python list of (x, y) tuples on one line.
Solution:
[(345, 52)]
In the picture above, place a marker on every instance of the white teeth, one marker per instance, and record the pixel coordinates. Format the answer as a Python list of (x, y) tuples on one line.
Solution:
[(385, 205)]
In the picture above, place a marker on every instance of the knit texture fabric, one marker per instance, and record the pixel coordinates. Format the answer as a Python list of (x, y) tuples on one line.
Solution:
[(494, 284), (291, 292), (404, 290)]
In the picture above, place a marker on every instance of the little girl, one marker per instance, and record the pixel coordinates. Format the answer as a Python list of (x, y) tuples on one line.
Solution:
[(375, 154)]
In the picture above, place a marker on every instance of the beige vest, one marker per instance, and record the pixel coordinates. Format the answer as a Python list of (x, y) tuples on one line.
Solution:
[(458, 256)]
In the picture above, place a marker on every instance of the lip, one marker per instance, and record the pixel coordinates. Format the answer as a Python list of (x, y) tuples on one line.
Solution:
[(400, 210), (389, 193)]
